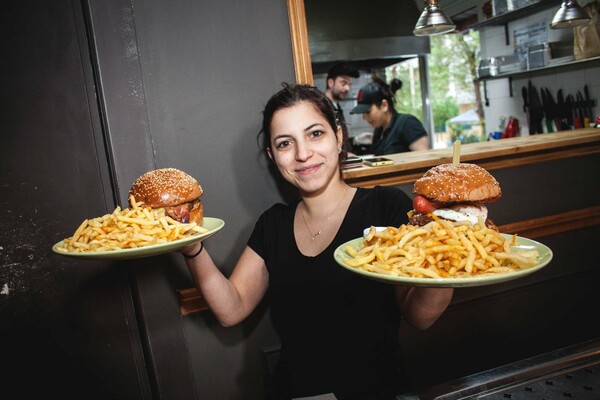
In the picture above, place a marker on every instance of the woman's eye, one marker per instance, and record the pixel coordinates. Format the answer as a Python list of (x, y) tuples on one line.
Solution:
[(283, 144), (316, 133)]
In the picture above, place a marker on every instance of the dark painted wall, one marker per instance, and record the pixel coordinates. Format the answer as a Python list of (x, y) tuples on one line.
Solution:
[(67, 328)]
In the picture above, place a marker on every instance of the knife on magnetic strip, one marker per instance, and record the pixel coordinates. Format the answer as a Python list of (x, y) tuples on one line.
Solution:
[(547, 110), (588, 106)]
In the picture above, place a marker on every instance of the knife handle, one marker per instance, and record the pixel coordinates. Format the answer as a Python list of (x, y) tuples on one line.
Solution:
[(586, 122), (558, 124)]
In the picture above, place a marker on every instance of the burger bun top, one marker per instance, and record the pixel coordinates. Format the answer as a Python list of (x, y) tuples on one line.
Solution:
[(165, 187), (462, 182)]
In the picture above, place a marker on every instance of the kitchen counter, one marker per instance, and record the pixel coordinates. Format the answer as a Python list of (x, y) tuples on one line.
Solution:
[(491, 155)]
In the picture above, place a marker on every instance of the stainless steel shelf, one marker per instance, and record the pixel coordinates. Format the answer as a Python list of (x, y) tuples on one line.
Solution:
[(517, 14), (575, 64)]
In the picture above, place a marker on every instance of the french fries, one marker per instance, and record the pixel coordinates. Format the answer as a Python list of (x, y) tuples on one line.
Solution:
[(440, 249), (128, 228)]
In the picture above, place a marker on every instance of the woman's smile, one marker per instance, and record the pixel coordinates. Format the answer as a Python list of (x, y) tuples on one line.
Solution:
[(309, 169)]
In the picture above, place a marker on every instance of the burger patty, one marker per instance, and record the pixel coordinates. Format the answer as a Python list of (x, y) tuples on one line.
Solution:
[(423, 219), (181, 212)]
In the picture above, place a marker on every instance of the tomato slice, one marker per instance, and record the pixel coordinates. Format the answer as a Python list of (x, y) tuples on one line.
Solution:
[(423, 206)]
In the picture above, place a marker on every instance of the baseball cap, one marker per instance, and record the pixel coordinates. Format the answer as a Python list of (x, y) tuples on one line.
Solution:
[(367, 95), (342, 69)]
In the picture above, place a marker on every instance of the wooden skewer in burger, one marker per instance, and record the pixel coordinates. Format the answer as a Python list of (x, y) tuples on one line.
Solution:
[(456, 192)]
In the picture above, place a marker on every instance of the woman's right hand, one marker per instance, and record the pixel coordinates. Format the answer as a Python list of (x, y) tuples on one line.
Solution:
[(190, 249)]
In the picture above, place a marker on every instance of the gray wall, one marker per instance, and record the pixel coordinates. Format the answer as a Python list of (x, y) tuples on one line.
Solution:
[(67, 327), (208, 68)]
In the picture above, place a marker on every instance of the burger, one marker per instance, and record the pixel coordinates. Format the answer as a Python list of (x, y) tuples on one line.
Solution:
[(174, 190), (455, 192)]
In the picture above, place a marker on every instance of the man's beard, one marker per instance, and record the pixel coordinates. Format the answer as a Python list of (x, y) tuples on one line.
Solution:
[(338, 95)]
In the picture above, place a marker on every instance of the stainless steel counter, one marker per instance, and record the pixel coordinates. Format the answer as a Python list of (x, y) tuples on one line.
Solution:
[(568, 373)]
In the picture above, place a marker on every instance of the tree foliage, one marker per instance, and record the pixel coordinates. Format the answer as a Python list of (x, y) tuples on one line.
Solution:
[(452, 72)]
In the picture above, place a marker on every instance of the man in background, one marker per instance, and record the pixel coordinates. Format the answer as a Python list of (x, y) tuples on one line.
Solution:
[(339, 82)]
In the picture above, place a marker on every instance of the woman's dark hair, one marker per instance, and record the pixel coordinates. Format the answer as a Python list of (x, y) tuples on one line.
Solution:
[(386, 90), (290, 95), (395, 85)]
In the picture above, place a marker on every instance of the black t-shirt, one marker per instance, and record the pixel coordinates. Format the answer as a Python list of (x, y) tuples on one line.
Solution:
[(339, 331), (403, 130)]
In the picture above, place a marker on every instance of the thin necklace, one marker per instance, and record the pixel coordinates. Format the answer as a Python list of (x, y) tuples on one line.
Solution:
[(313, 236)]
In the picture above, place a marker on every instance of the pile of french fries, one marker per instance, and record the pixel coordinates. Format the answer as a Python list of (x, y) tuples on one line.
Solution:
[(440, 249), (128, 228)]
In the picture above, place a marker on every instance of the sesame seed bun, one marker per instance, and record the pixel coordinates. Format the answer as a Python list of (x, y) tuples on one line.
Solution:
[(172, 189), (462, 182)]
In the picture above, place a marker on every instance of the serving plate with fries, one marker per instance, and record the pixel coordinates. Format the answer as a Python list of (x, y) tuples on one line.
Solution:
[(442, 255), (134, 232)]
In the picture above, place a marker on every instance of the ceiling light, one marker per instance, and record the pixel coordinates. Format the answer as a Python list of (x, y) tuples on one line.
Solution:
[(433, 21), (569, 14)]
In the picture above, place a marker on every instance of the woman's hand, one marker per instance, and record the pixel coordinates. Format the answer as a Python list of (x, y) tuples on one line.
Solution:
[(190, 249), (422, 306)]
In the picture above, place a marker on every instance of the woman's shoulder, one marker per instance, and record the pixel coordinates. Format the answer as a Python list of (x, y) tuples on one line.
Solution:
[(382, 192), (277, 211), (280, 208), (386, 205), (384, 197)]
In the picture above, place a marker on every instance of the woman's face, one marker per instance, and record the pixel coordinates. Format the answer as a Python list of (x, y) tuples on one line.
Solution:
[(376, 116), (305, 148)]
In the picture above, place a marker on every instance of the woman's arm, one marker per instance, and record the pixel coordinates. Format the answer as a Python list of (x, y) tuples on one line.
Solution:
[(421, 143), (231, 300), (422, 306)]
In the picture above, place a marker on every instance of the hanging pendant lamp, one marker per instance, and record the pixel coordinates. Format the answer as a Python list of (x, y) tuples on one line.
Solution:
[(433, 21), (569, 14)]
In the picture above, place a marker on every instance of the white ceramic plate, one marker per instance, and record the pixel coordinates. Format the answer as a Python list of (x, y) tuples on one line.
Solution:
[(522, 243), (212, 224)]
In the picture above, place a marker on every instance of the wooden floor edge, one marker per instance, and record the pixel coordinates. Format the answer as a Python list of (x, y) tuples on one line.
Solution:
[(191, 302)]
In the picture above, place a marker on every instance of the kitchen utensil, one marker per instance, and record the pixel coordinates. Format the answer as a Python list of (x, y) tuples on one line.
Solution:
[(562, 110), (536, 113), (588, 106), (547, 111), (580, 110), (569, 106), (554, 112)]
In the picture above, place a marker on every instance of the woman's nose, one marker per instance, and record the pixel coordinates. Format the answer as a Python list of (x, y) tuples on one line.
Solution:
[(303, 151)]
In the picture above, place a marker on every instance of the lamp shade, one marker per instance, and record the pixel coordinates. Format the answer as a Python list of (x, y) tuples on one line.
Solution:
[(569, 14), (433, 21)]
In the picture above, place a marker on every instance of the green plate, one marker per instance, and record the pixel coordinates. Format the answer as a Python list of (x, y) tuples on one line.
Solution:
[(522, 243), (212, 224)]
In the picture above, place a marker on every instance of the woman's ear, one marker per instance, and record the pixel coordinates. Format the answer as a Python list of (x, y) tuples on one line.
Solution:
[(339, 134), (270, 154), (385, 105)]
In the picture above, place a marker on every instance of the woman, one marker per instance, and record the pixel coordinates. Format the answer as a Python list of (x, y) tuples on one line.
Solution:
[(339, 332), (393, 132)]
